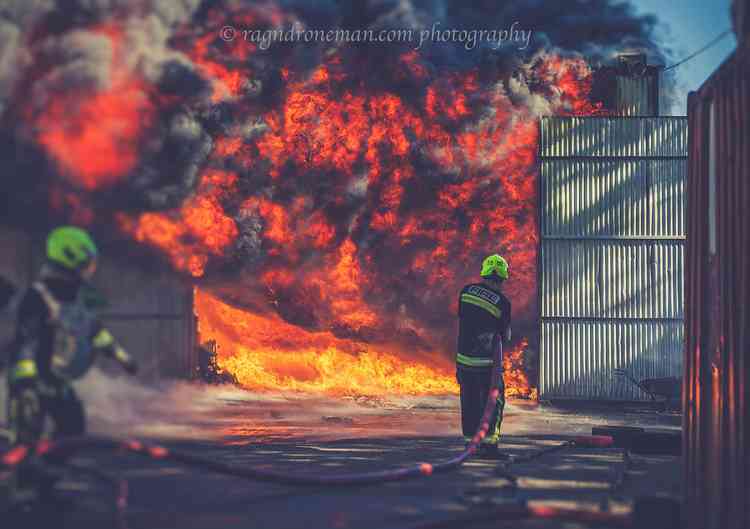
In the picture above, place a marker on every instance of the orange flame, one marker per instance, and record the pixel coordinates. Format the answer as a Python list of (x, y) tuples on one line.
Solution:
[(266, 353), (514, 373), (197, 231), (227, 82)]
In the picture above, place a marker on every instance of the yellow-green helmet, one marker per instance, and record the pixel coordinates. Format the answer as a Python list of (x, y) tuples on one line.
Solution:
[(494, 264), (70, 247)]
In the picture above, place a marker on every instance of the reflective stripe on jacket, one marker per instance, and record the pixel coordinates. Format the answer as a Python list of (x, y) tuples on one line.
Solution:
[(484, 317)]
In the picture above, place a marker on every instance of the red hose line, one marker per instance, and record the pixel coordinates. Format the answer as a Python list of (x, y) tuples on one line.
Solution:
[(579, 515), (68, 446)]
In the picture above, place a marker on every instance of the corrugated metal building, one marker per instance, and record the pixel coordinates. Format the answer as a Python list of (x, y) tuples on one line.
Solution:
[(612, 203), (151, 311), (717, 355)]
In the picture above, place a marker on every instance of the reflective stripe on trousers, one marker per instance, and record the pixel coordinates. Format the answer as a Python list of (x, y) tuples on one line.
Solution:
[(475, 388), (472, 361)]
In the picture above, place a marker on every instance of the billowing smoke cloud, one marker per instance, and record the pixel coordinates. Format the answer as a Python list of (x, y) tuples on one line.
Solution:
[(349, 187)]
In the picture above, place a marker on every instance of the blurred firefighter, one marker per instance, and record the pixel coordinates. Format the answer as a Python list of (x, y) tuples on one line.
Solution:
[(483, 325), (58, 337)]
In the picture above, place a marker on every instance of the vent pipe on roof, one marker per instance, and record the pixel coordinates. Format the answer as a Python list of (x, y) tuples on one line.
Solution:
[(629, 87)]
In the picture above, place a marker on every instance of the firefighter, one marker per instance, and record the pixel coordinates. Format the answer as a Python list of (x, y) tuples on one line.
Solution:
[(484, 323), (58, 337)]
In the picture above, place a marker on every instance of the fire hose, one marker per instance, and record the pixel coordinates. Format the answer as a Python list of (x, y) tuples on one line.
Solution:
[(66, 447)]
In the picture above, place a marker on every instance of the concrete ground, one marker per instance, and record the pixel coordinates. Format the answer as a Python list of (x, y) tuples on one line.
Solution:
[(325, 435)]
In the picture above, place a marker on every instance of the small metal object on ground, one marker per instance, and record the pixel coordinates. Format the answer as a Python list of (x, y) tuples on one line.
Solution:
[(622, 435)]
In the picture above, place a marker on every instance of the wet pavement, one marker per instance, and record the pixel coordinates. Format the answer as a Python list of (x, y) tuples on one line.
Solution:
[(317, 435)]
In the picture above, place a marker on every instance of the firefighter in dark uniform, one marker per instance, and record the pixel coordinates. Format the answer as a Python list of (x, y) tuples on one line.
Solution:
[(484, 323), (57, 339)]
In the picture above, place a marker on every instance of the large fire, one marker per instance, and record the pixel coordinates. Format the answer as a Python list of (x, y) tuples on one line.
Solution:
[(366, 199), (266, 353)]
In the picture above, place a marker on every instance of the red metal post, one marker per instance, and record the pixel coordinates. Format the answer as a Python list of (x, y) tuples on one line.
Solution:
[(715, 395)]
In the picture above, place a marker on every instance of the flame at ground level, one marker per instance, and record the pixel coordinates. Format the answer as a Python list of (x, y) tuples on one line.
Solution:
[(266, 353)]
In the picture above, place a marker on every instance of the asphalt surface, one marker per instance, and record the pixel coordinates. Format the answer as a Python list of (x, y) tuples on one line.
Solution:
[(325, 435)]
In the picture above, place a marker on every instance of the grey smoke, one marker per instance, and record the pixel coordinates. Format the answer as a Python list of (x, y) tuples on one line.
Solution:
[(80, 56), (248, 248), (171, 165), (84, 60)]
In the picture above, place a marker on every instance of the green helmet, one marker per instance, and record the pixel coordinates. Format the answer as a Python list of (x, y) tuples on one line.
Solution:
[(70, 247), (494, 264)]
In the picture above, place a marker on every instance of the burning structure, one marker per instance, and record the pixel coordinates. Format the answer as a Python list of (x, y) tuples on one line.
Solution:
[(326, 200)]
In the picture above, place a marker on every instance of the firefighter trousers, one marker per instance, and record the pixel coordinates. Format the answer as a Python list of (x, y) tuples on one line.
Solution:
[(475, 385), (30, 405)]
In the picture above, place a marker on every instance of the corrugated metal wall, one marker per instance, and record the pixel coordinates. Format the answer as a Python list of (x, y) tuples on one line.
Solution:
[(152, 315), (600, 346), (612, 208), (638, 96), (609, 278), (657, 137), (716, 420), (151, 311), (614, 197)]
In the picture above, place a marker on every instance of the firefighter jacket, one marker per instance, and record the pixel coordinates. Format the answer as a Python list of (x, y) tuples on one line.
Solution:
[(58, 334), (484, 317)]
